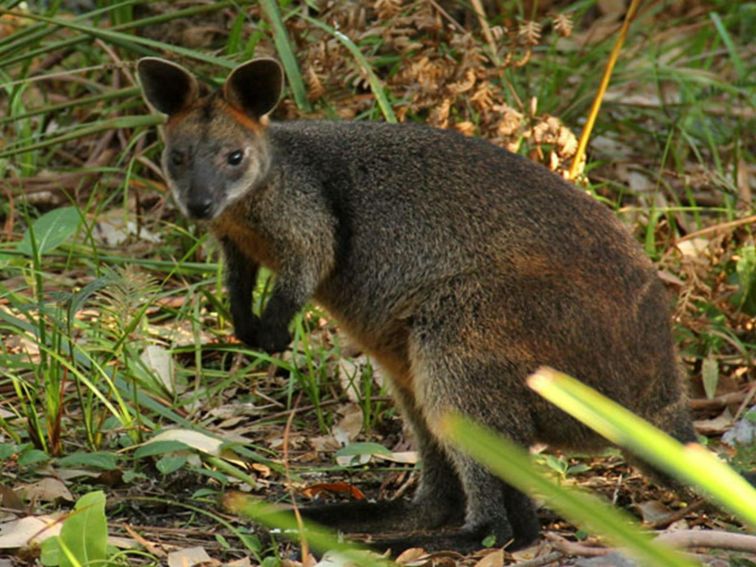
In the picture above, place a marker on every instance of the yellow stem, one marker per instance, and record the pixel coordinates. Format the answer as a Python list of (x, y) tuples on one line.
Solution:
[(602, 88)]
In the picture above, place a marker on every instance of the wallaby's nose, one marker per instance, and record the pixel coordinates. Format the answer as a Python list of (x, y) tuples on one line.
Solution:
[(200, 208)]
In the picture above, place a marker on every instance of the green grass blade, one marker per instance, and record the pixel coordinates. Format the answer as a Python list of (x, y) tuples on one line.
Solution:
[(128, 41), (36, 32), (112, 124), (737, 62), (49, 109), (511, 463), (317, 537), (376, 85), (142, 23), (286, 53), (692, 464)]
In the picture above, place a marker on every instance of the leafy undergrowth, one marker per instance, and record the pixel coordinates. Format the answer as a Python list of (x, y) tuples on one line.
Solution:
[(118, 368)]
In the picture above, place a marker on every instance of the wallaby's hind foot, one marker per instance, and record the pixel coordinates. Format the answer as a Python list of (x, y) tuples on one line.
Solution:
[(463, 540), (381, 517)]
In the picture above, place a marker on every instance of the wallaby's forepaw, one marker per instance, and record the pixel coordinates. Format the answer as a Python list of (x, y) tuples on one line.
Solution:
[(273, 339), (258, 335), (248, 331)]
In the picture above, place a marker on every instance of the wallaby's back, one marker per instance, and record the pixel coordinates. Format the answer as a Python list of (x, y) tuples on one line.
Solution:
[(428, 223)]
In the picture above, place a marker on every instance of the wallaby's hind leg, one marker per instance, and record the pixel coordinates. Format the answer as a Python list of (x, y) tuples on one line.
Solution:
[(674, 420), (440, 497), (439, 500), (488, 389)]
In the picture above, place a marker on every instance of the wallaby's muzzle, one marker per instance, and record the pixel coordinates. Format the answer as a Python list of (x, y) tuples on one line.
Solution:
[(200, 207)]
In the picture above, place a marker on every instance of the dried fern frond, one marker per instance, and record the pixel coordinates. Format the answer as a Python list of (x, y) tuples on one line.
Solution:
[(128, 291), (563, 24), (529, 32)]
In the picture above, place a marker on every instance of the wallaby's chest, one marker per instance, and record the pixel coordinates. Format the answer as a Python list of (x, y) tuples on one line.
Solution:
[(246, 239)]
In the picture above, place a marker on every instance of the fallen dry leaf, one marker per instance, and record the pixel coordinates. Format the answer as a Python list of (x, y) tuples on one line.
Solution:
[(32, 529), (412, 555), (189, 557), (652, 511), (194, 439), (315, 490), (349, 426), (47, 490), (493, 559)]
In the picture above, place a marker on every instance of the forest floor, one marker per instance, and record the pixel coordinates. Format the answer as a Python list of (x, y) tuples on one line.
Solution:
[(118, 368)]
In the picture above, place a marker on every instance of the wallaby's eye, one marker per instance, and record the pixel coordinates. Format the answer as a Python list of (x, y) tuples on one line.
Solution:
[(235, 158), (177, 158)]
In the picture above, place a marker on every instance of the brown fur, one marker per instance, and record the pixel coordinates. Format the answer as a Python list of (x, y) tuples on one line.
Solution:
[(460, 267)]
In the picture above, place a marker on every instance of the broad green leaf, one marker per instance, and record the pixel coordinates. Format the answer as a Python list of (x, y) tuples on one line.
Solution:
[(170, 463), (98, 460), (50, 231), (85, 532), (50, 552), (710, 376), (745, 270), (32, 457), (160, 448), (355, 449)]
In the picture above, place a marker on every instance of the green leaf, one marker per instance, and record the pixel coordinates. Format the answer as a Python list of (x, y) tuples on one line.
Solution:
[(85, 532), (50, 552), (201, 493), (251, 542), (7, 450), (579, 468), (98, 460), (51, 230), (223, 542), (356, 449), (745, 269), (233, 44), (160, 448), (489, 541), (271, 561), (710, 376), (32, 457), (170, 464)]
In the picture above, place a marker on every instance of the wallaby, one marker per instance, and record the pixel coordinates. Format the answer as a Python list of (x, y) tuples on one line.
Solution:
[(458, 266)]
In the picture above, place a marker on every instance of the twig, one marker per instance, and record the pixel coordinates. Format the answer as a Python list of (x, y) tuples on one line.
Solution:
[(481, 13), (717, 228), (574, 548), (746, 402), (543, 560), (676, 515), (585, 136), (718, 402), (709, 538), (446, 15), (297, 515)]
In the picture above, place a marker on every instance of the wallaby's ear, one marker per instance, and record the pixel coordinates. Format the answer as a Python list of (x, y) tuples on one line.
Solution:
[(166, 86), (255, 87)]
